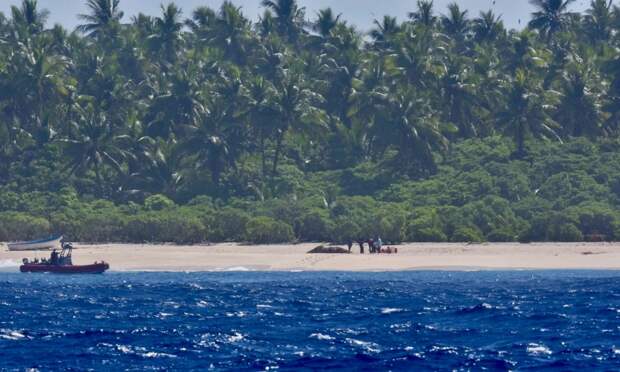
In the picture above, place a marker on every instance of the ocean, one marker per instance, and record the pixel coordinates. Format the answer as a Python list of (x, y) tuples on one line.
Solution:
[(551, 320)]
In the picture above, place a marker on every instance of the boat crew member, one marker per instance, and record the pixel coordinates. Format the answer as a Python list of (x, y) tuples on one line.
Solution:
[(54, 257)]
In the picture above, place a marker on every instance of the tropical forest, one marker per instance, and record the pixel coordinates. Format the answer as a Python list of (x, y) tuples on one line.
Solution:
[(204, 125)]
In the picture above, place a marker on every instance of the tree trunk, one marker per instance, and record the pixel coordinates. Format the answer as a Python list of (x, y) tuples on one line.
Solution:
[(262, 154), (520, 140), (99, 180), (276, 158)]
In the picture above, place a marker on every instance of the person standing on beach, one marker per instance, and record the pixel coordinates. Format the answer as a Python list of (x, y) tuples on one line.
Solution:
[(361, 243), (379, 245), (350, 244), (371, 245)]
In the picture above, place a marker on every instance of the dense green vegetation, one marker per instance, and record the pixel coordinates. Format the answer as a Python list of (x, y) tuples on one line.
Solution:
[(205, 126)]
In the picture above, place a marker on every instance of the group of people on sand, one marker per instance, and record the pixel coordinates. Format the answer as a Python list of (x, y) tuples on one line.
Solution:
[(374, 246)]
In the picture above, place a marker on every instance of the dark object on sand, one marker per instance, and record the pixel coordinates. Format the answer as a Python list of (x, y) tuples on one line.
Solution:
[(61, 263), (330, 250), (595, 238), (388, 250)]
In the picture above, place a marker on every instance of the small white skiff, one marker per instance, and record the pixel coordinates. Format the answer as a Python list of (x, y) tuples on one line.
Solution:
[(36, 245)]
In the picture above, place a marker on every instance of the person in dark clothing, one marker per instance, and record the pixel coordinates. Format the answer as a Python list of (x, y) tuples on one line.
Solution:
[(361, 243), (54, 257), (371, 246), (350, 244)]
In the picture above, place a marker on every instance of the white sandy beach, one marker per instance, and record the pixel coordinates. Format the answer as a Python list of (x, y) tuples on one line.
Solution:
[(427, 256)]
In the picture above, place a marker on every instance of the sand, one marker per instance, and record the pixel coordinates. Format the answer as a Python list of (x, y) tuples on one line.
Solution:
[(427, 256)]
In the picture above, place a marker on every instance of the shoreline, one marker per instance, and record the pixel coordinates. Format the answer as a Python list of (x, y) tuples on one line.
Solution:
[(290, 258)]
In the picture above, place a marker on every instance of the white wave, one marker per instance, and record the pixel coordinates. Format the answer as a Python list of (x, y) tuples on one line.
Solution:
[(124, 349), (236, 337), (5, 264), (237, 268), (369, 346), (391, 310), (238, 314), (445, 349), (152, 354), (202, 303), (262, 306), (616, 351), (322, 337), (8, 334), (140, 351), (536, 349)]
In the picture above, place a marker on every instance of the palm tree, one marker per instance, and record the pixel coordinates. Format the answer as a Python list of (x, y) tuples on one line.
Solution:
[(326, 21), (288, 17), (175, 104), (524, 53), (579, 111), (160, 172), (262, 114), (104, 18), (407, 122), (297, 110), (456, 24), (167, 38), (266, 24), (202, 22), (37, 86), (488, 27), (460, 97), (231, 33), (425, 15), (527, 111), (341, 65), (92, 144), (28, 19), (598, 21), (612, 96), (551, 16), (419, 58), (216, 137), (385, 31)]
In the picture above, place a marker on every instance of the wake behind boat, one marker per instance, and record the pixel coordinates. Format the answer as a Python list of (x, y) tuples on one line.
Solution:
[(36, 245), (62, 264)]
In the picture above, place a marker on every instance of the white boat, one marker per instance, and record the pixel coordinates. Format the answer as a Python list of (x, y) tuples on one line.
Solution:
[(36, 245)]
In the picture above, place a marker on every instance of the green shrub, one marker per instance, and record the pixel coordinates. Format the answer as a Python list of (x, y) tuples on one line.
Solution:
[(565, 232), (266, 230), (595, 219), (344, 230), (9, 201), (315, 226), (228, 224), (427, 234), (157, 203), (467, 234), (505, 234), (21, 226), (166, 227), (391, 226), (425, 226)]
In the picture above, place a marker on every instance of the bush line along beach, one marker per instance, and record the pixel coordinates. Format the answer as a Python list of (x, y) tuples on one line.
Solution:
[(200, 125)]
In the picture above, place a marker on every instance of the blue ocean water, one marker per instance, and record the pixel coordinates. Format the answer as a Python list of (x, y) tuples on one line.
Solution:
[(293, 321)]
